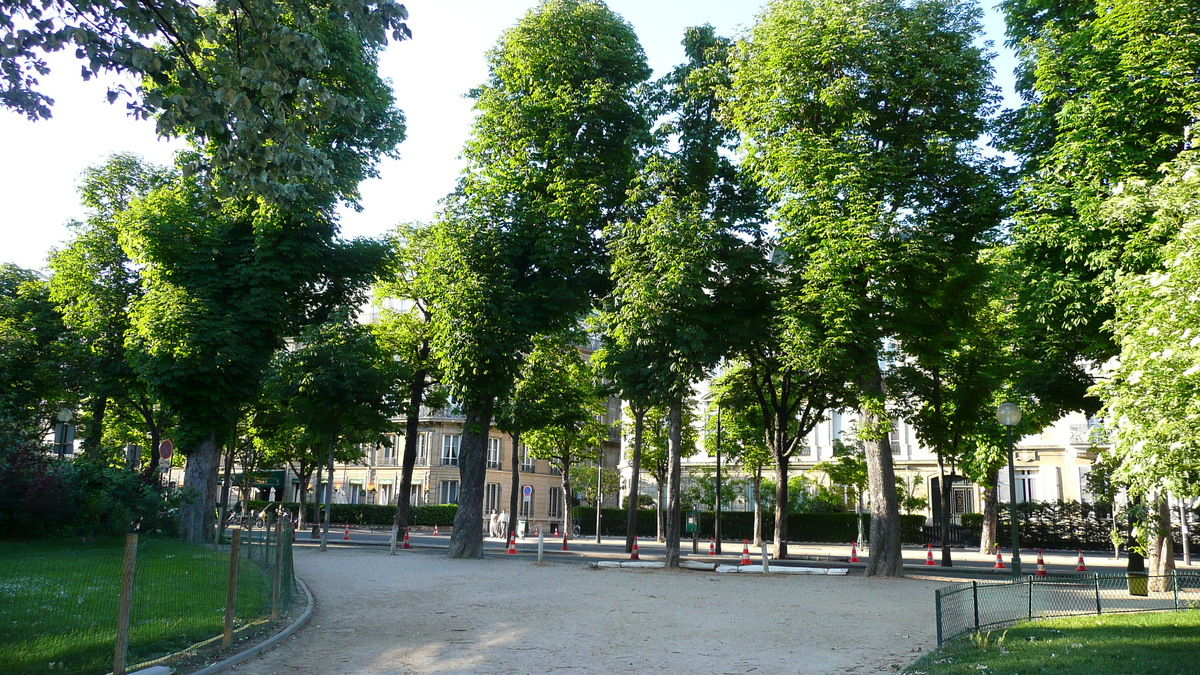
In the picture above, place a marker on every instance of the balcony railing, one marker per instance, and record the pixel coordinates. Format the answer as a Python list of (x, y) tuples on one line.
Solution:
[(1091, 434)]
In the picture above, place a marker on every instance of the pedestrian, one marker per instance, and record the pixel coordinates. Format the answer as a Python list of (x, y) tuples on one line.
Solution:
[(504, 523), (494, 526)]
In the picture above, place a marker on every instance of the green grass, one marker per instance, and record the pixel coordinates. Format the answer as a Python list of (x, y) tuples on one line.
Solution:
[(1146, 643), (58, 602)]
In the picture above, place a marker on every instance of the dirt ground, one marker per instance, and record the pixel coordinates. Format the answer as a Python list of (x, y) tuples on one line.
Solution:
[(421, 612)]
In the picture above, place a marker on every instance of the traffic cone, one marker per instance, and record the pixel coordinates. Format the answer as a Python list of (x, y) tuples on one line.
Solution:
[(565, 542), (929, 556), (712, 547), (999, 560), (512, 542), (435, 530), (346, 537), (405, 545), (555, 533), (1080, 567), (745, 552), (633, 555), (853, 552), (1041, 565)]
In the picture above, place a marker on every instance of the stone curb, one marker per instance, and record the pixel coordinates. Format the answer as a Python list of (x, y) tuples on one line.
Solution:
[(268, 644)]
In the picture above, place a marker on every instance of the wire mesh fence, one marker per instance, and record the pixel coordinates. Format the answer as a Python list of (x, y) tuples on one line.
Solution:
[(61, 602), (972, 606)]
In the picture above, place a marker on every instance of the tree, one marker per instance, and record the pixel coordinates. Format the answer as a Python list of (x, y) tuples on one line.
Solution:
[(678, 265), (516, 252), (573, 408), (338, 387), (735, 424), (859, 121), (656, 455), (404, 328), (272, 90), (94, 285), (36, 357)]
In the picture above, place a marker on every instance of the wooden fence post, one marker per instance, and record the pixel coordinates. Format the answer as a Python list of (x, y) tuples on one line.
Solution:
[(126, 604), (277, 571), (231, 590)]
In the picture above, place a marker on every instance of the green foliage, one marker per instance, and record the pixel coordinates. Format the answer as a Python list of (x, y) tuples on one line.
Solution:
[(283, 97), (583, 479), (568, 405), (36, 355), (370, 514)]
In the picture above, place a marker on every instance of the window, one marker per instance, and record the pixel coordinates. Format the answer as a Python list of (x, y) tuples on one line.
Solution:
[(423, 448), (526, 460), (450, 451), (555, 502), (895, 436), (416, 495), (449, 492), (1025, 486), (526, 506), (493, 453), (491, 498)]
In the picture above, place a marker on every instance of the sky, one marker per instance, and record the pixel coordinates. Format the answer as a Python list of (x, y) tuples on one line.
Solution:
[(41, 162)]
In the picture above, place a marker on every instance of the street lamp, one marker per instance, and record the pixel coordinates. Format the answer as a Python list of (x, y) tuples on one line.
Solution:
[(62, 440), (1009, 415)]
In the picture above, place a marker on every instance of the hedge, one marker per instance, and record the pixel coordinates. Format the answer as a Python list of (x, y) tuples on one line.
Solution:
[(373, 514), (1061, 525), (823, 527)]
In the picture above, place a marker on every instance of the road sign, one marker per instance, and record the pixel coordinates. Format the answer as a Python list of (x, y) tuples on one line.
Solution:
[(166, 449), (527, 491)]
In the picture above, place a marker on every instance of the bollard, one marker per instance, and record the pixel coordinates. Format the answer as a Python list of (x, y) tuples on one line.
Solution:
[(766, 565), (541, 545)]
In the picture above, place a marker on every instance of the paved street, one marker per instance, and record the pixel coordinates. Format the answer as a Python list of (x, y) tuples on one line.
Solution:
[(806, 554)]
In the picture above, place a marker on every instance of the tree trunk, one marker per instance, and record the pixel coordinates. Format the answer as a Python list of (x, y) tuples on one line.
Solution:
[(944, 526), (886, 559), (516, 488), (303, 496), (197, 512), (1162, 548), (92, 441), (328, 498), (674, 455), (317, 497), (566, 488), (758, 506), (781, 506), (412, 421), (639, 419), (990, 496), (466, 541), (226, 482)]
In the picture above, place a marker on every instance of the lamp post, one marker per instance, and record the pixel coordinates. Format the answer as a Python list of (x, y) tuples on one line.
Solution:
[(1009, 415), (599, 477), (717, 514), (64, 418)]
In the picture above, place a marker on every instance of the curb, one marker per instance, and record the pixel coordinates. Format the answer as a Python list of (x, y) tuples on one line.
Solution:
[(268, 644)]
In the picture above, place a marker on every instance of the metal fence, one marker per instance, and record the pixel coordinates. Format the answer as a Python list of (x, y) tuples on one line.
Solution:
[(974, 605), (69, 606)]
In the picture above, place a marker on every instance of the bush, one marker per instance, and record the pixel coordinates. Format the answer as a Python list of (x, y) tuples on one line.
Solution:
[(817, 527), (372, 514)]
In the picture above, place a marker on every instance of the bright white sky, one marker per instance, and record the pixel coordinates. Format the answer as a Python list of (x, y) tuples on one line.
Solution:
[(40, 163)]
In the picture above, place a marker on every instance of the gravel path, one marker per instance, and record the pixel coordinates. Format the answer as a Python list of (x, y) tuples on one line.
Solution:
[(421, 612)]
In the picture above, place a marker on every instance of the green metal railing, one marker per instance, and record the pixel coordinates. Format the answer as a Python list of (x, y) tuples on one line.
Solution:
[(976, 605)]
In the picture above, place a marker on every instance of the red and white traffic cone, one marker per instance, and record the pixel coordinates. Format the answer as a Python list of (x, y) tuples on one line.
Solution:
[(853, 552), (745, 552), (712, 547), (512, 542), (1041, 565), (555, 532), (565, 542), (1080, 567), (435, 530), (405, 544), (929, 556), (633, 555), (346, 537), (999, 560)]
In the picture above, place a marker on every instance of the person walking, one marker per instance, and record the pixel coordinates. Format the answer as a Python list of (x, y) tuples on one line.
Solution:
[(504, 523), (494, 525)]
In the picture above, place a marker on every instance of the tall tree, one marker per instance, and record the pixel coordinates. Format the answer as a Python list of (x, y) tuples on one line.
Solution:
[(95, 285), (516, 253), (860, 120), (231, 262)]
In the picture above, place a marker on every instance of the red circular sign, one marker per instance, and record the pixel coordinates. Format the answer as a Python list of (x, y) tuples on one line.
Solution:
[(166, 449)]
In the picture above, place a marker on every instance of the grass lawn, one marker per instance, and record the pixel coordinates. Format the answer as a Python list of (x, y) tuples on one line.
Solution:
[(58, 602), (1145, 643)]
